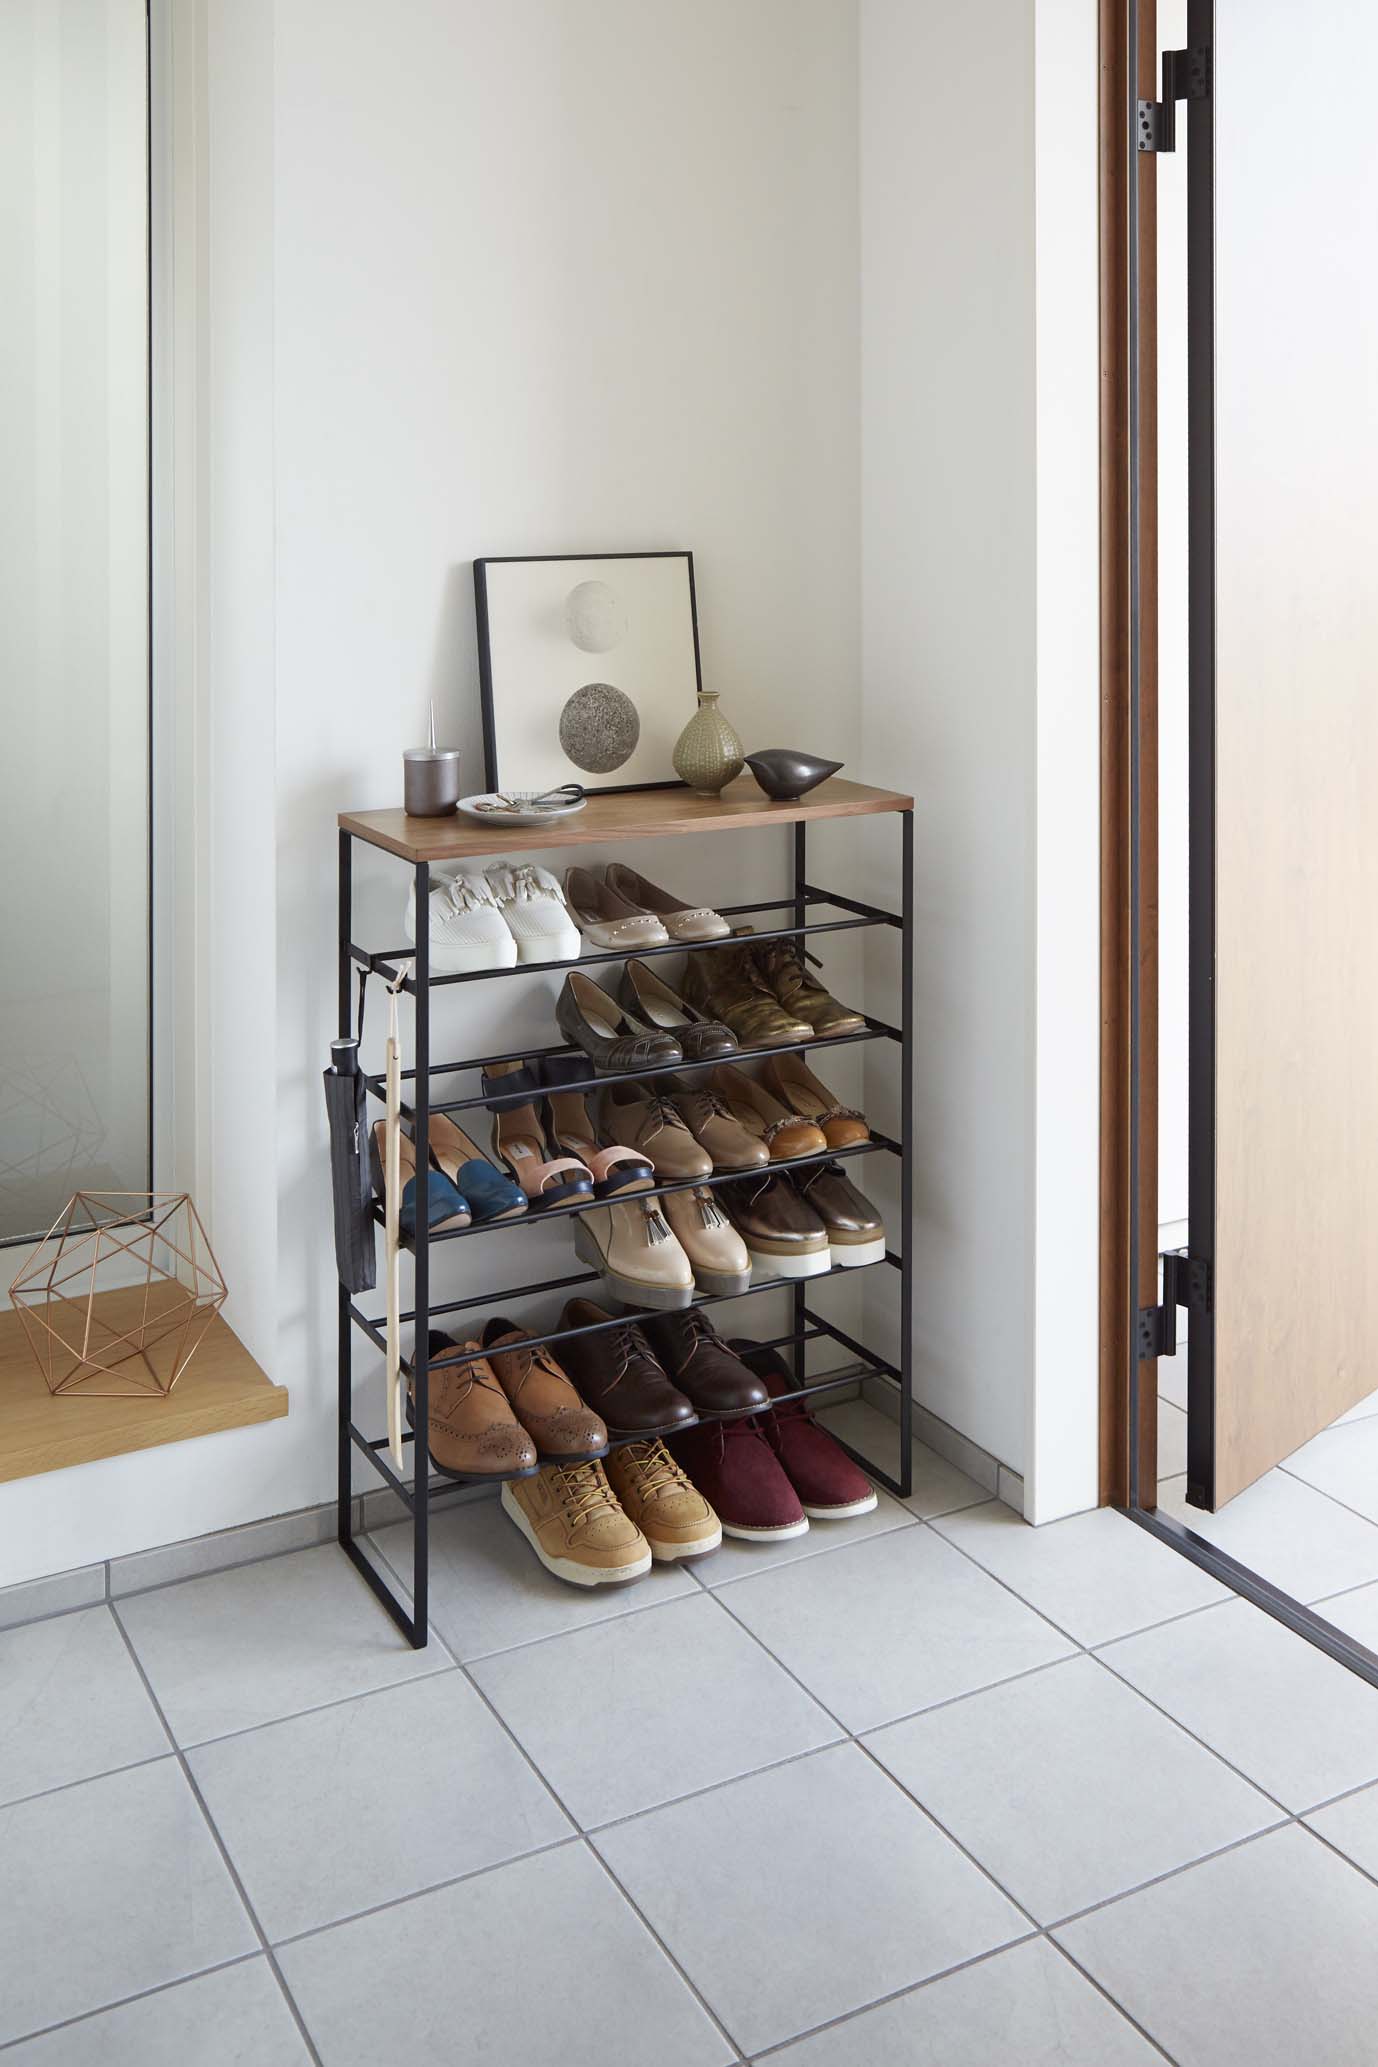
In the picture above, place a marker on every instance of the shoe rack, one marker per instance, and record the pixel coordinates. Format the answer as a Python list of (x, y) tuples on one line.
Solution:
[(428, 1088)]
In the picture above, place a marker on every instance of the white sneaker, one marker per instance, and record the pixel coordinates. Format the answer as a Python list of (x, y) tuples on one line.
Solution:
[(533, 904), (467, 929)]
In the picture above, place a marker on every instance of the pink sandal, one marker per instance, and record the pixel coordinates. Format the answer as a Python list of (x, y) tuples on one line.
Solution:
[(617, 1171), (520, 1144)]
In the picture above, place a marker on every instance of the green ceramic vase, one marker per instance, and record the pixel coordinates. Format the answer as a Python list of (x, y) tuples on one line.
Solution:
[(708, 754)]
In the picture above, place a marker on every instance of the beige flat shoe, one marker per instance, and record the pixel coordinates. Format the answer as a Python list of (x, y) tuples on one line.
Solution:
[(681, 921), (786, 1136), (607, 919), (791, 1080)]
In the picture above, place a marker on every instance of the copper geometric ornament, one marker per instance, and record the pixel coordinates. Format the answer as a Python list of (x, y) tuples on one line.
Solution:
[(118, 1304)]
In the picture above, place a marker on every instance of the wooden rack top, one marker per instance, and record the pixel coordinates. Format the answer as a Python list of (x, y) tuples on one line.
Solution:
[(635, 815)]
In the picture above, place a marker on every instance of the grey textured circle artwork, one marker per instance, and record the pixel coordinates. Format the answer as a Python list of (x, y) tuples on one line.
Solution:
[(599, 728), (595, 617)]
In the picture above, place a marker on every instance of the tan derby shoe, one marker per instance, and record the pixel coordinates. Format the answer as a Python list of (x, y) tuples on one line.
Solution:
[(473, 1431), (645, 1117), (574, 1522), (709, 1119), (660, 1497), (542, 1397)]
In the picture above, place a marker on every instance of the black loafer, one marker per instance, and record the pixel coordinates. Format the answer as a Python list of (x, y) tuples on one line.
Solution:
[(610, 1036), (646, 994)]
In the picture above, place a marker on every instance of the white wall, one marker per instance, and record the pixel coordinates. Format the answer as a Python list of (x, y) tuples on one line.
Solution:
[(478, 282), (979, 512), (761, 281)]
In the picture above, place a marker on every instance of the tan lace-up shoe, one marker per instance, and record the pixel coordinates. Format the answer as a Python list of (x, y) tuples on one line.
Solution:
[(473, 1431), (570, 1516), (563, 1429), (663, 1501)]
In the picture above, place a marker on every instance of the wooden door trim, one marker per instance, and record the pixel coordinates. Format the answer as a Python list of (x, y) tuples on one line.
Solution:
[(1122, 1290)]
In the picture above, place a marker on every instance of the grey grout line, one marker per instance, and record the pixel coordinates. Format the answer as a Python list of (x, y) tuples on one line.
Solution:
[(1333, 1498), (738, 2052), (1156, 1880), (1187, 1731), (84, 1607), (950, 1835), (1012, 1591), (895, 1995), (219, 1966), (1113, 2001), (434, 1887), (807, 1557), (1323, 1600), (676, 1801), (1332, 1800), (84, 1779), (529, 1643), (1331, 1846), (241, 1564), (220, 1846), (854, 1740)]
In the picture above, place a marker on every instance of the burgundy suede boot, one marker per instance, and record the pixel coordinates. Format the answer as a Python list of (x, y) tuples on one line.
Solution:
[(829, 1485), (739, 1474)]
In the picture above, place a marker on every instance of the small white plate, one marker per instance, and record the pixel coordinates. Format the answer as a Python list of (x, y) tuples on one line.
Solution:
[(486, 810)]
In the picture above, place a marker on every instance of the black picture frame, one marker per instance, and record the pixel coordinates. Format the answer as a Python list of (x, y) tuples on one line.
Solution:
[(491, 776)]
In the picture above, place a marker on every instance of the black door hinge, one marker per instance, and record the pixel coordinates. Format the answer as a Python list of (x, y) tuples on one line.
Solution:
[(1186, 1282), (1186, 76)]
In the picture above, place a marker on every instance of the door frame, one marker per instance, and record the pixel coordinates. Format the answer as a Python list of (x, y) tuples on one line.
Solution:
[(1129, 1264)]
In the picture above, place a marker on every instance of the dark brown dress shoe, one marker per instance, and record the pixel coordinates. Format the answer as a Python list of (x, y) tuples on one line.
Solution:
[(610, 1036), (473, 1431), (618, 1376), (783, 970), (563, 1429), (702, 1365), (784, 1236), (856, 1232)]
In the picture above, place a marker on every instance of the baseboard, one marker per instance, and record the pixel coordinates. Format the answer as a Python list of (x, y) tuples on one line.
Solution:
[(948, 1442)]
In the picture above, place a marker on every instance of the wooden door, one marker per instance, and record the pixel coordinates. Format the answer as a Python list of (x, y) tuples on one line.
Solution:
[(1283, 321)]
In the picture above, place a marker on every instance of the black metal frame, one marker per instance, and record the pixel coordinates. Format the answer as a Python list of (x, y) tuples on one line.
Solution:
[(807, 1325), (485, 656), (1201, 1202)]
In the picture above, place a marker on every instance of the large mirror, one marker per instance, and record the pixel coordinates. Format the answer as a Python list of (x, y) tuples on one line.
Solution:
[(74, 606)]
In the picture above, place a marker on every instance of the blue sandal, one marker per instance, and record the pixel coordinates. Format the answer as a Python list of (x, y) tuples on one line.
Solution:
[(491, 1196), (447, 1209)]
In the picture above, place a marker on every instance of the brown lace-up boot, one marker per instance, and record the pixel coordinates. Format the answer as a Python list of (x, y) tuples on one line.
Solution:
[(783, 970), (725, 984)]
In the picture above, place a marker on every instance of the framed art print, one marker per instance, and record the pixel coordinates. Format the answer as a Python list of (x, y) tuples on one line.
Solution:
[(588, 668)]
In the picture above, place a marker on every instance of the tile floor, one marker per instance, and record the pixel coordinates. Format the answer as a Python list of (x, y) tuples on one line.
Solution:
[(1310, 1525), (928, 1791)]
